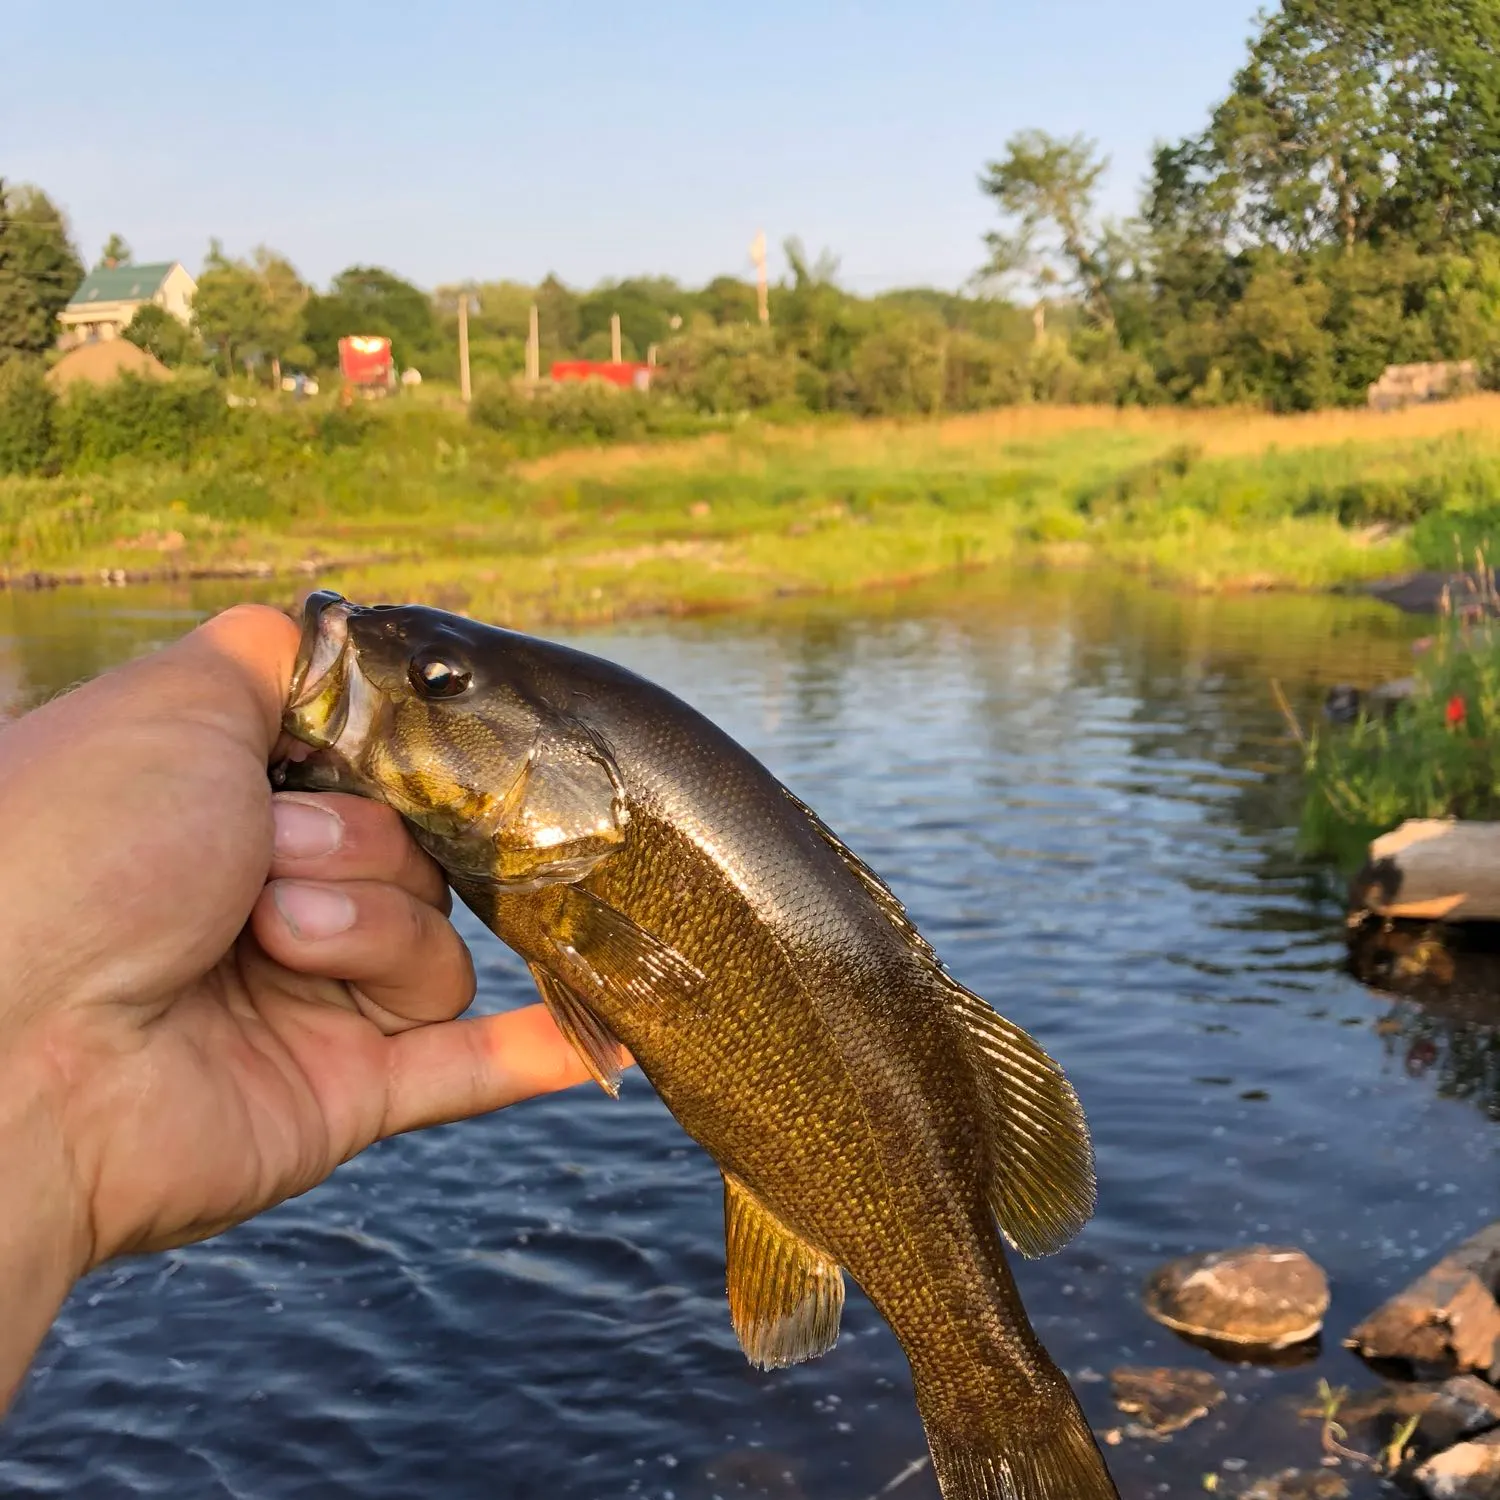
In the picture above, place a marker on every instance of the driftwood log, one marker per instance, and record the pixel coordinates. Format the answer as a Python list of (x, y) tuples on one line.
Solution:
[(1433, 869)]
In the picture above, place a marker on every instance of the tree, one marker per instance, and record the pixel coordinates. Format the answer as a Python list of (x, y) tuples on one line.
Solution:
[(39, 270), (1046, 184), (286, 297), (156, 331), (728, 300), (1353, 121), (369, 300), (244, 309), (115, 252), (230, 308)]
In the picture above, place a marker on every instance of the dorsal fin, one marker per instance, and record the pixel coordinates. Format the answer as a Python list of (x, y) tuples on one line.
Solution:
[(883, 896), (1042, 1187)]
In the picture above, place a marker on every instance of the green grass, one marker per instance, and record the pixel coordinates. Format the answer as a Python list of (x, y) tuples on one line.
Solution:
[(417, 502), (1436, 756)]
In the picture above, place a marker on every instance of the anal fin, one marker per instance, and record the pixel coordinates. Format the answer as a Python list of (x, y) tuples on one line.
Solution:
[(603, 1053), (1042, 1186), (785, 1297)]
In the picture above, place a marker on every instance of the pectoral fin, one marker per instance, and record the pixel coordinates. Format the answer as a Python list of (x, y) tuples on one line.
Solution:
[(785, 1297), (1041, 1186), (603, 1053), (604, 952)]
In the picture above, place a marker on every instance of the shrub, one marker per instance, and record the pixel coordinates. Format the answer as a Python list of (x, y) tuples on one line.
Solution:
[(578, 412), (27, 408), (722, 370), (156, 331), (136, 418), (898, 370)]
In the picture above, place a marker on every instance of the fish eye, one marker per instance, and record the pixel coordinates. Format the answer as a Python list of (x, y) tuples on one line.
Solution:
[(435, 677)]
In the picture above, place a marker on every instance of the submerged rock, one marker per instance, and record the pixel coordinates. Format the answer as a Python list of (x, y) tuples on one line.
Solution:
[(1446, 1411), (1265, 1296), (1347, 704), (1470, 1471), (1448, 1319), (1298, 1484), (1465, 1407), (1430, 592), (1164, 1400)]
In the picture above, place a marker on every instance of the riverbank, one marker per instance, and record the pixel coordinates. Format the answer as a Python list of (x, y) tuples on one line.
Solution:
[(1431, 752), (428, 505)]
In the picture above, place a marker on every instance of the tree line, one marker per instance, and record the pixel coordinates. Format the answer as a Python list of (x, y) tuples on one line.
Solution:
[(1338, 212)]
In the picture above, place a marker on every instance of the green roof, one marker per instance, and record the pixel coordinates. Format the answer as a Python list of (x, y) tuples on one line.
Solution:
[(121, 284)]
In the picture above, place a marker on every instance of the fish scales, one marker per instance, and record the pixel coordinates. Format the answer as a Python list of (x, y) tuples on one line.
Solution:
[(673, 899)]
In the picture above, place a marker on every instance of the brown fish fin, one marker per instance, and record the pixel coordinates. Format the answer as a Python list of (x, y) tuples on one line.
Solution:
[(1041, 1186), (785, 1297), (610, 952), (603, 1053), (882, 895), (1060, 1462)]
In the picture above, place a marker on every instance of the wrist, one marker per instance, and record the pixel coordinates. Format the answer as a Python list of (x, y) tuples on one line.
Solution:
[(44, 1239)]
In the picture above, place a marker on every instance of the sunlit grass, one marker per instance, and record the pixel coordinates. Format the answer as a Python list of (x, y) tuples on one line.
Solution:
[(429, 503)]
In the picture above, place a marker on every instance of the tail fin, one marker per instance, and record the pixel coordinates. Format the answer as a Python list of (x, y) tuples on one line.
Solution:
[(1061, 1462)]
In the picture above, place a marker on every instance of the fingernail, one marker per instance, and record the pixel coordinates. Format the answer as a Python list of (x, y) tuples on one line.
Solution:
[(312, 911), (304, 830)]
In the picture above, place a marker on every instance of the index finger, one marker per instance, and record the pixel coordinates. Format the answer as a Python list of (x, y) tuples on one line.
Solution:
[(338, 836)]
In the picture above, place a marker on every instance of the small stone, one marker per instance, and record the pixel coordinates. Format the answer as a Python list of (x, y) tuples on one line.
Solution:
[(1297, 1484), (1165, 1400), (1267, 1296), (1448, 1319), (1470, 1471)]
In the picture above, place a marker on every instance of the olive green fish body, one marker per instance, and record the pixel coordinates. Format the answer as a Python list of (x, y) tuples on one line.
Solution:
[(673, 899)]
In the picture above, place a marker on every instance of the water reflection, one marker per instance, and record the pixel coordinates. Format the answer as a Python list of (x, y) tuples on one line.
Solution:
[(1082, 790), (1443, 989)]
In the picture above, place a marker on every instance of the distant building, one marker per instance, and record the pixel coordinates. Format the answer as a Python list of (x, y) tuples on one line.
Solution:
[(629, 374), (1403, 385), (104, 304)]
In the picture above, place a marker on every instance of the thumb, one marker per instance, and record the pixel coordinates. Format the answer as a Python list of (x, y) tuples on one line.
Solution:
[(456, 1069)]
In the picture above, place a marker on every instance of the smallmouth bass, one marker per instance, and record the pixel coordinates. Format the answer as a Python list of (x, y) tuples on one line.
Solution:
[(672, 898)]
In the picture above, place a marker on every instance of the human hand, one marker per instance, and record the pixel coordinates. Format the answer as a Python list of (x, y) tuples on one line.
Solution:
[(210, 996)]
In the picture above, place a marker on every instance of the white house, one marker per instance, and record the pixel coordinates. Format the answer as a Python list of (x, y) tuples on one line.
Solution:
[(104, 304)]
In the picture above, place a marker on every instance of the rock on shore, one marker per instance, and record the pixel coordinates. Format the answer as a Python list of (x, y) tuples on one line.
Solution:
[(1446, 1320)]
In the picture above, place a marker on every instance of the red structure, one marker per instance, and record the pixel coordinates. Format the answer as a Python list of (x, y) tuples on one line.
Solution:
[(365, 361), (630, 375)]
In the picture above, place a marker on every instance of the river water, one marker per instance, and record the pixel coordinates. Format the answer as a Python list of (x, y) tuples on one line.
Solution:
[(1083, 792)]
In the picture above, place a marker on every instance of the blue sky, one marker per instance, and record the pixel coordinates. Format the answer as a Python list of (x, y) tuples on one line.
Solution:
[(448, 141)]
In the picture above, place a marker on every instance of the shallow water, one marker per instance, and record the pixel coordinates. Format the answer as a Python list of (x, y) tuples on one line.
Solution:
[(1081, 791)]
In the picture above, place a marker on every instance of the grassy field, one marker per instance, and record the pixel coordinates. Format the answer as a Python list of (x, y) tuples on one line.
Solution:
[(419, 503)]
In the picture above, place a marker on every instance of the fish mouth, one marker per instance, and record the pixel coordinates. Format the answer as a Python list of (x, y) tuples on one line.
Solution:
[(318, 703)]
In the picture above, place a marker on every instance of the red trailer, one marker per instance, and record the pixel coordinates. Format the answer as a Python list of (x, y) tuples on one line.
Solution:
[(632, 375), (365, 362)]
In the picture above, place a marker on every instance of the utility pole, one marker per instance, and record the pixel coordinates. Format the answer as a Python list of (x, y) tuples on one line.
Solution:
[(534, 349), (614, 338), (464, 389), (762, 290)]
